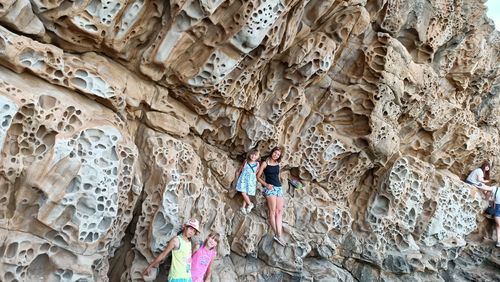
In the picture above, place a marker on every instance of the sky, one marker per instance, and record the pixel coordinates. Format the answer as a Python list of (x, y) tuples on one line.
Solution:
[(494, 12)]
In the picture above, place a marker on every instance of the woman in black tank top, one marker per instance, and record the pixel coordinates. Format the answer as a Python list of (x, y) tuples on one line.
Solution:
[(273, 192)]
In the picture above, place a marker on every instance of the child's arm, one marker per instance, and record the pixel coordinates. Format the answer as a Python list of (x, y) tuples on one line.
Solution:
[(485, 187), (174, 243), (208, 274), (259, 175), (241, 168), (194, 247)]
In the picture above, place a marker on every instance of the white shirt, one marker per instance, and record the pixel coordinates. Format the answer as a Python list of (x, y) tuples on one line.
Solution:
[(497, 199), (474, 176)]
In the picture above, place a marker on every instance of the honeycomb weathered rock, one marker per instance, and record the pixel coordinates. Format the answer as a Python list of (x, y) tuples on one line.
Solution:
[(121, 119)]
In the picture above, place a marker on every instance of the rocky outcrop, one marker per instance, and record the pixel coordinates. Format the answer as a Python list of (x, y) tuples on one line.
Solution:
[(121, 119), (70, 181)]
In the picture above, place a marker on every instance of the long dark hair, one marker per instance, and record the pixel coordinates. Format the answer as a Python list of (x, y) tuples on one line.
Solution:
[(486, 172), (277, 148)]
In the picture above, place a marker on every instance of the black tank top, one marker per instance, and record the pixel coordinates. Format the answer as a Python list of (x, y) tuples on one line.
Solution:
[(272, 174)]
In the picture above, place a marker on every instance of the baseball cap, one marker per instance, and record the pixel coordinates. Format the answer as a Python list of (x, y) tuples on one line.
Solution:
[(193, 222)]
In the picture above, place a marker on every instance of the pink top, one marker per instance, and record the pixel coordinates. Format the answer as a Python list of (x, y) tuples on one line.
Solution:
[(200, 262)]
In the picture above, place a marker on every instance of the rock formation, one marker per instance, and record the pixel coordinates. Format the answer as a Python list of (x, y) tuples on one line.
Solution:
[(119, 120)]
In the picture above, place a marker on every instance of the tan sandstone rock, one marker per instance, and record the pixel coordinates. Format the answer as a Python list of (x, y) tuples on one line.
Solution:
[(119, 120)]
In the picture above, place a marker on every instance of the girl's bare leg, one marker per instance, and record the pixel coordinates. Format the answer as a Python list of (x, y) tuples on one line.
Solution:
[(246, 199)]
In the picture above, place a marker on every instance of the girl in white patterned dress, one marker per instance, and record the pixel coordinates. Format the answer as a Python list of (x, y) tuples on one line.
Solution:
[(247, 180)]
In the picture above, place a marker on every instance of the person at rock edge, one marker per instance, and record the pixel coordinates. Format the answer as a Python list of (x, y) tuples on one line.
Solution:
[(181, 248), (273, 192), (247, 179), (480, 176), (201, 263), (495, 192)]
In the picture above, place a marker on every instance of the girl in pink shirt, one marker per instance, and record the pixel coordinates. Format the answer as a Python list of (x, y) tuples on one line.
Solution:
[(201, 262)]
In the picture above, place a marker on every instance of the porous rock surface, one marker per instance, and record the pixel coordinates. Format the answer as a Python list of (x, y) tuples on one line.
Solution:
[(121, 119)]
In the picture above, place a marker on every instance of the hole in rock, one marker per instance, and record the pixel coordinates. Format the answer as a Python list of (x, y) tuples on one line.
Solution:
[(380, 206), (40, 269)]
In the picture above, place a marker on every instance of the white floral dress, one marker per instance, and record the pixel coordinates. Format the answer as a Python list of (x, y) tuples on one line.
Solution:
[(247, 182)]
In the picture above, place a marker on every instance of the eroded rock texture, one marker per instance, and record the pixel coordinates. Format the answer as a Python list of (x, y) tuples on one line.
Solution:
[(119, 120)]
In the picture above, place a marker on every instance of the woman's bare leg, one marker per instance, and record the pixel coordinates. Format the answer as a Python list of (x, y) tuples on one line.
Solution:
[(497, 221), (279, 215), (271, 205)]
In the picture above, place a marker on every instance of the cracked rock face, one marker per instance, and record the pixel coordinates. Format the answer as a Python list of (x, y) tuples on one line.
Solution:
[(119, 120)]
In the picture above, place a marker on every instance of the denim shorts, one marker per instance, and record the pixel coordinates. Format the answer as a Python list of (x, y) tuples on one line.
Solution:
[(276, 191), (497, 210)]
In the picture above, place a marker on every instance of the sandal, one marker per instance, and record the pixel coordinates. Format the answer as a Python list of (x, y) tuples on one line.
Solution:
[(277, 239)]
